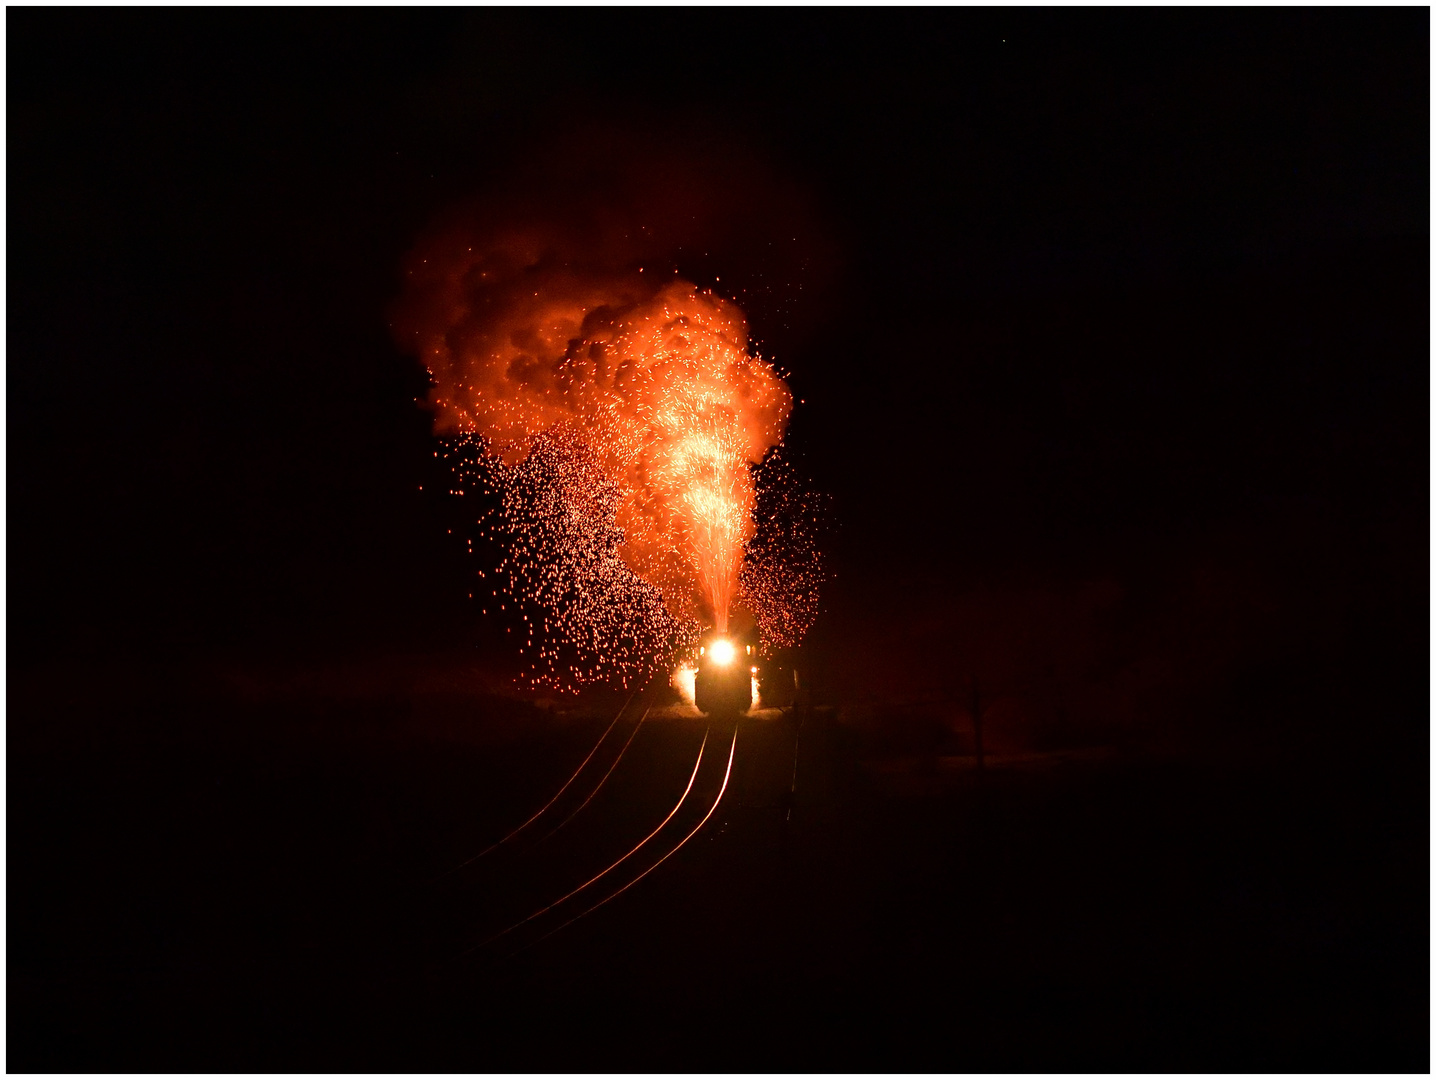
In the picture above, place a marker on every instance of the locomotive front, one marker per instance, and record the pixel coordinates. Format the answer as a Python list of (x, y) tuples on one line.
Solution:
[(727, 667)]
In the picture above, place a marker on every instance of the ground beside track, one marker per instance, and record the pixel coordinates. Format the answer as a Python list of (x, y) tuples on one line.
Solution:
[(246, 902)]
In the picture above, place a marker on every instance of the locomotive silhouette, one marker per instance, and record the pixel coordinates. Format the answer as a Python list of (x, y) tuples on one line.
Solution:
[(727, 667)]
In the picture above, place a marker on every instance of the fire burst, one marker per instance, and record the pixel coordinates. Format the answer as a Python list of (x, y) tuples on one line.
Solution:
[(621, 427)]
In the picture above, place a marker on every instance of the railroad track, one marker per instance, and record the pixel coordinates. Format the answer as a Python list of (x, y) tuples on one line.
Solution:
[(683, 822), (552, 870), (534, 819)]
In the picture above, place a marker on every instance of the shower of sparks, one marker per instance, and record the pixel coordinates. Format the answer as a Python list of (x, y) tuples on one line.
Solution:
[(783, 568), (586, 617)]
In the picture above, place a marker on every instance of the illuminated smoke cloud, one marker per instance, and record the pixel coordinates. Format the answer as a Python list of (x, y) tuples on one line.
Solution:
[(658, 382), (622, 414)]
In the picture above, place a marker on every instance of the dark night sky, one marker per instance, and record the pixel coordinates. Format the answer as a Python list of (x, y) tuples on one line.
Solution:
[(1087, 288)]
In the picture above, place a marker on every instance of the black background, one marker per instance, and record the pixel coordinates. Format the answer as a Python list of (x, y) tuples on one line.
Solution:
[(1099, 276), (1095, 292)]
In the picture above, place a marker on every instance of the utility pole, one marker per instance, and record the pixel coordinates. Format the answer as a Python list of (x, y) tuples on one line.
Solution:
[(977, 721)]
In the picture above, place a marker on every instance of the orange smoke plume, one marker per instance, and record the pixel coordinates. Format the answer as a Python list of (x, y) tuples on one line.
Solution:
[(657, 379)]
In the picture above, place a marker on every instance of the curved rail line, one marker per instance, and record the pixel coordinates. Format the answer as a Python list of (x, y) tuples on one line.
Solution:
[(500, 843), (674, 851), (613, 866), (606, 775)]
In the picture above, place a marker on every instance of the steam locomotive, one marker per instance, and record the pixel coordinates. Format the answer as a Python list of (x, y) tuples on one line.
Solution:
[(727, 669)]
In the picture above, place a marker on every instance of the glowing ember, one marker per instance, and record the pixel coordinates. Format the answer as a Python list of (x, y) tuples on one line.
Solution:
[(783, 569), (553, 518)]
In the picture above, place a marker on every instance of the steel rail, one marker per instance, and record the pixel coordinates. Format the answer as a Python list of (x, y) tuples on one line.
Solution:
[(793, 786), (614, 896), (613, 866), (606, 775), (500, 843)]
